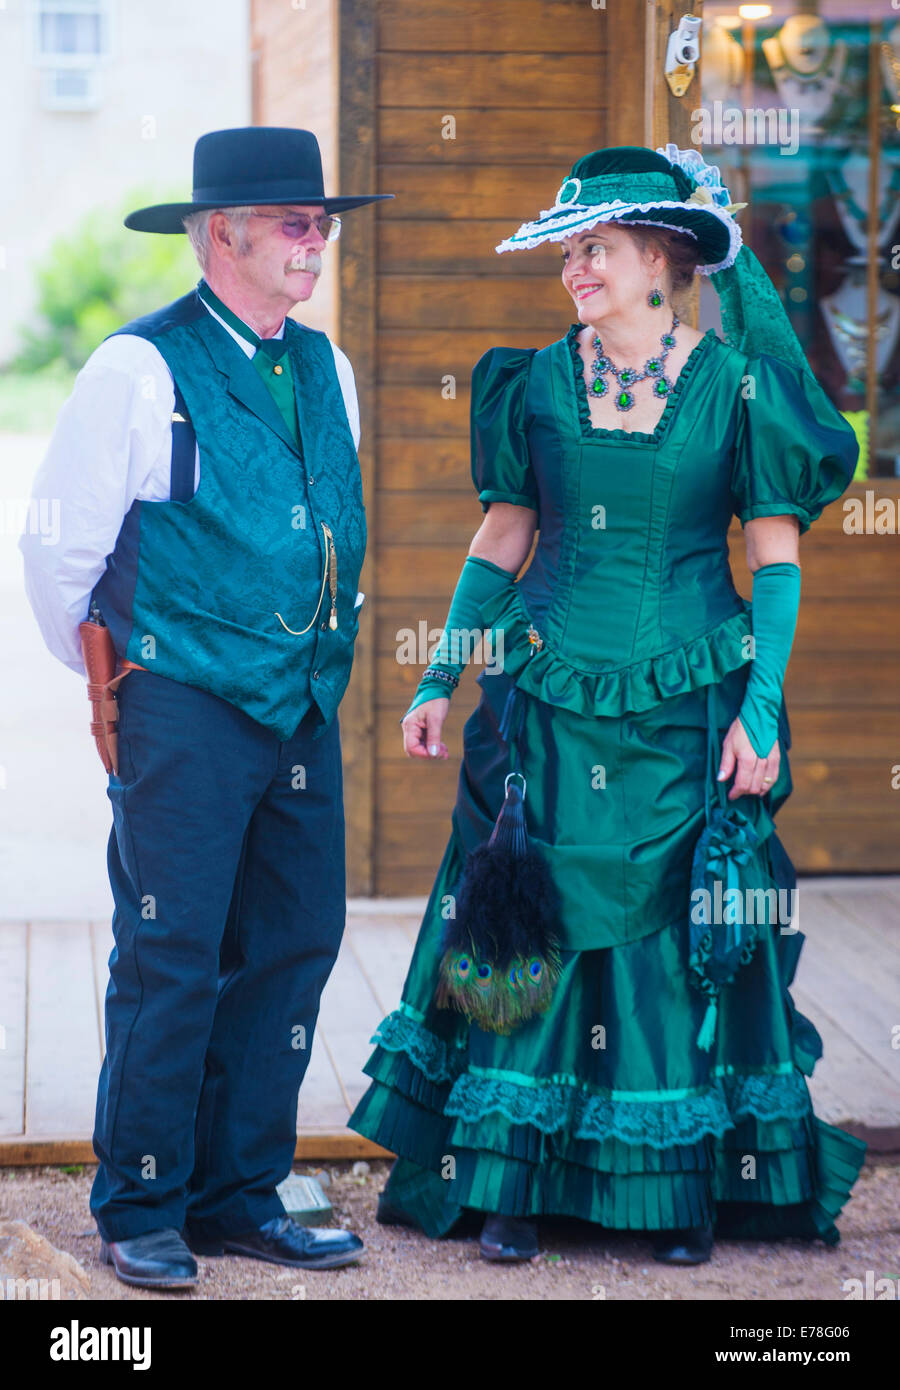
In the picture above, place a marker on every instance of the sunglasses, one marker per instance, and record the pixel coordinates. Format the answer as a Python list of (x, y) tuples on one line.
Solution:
[(296, 224)]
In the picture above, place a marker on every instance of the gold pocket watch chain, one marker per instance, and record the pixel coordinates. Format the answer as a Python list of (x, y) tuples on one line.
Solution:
[(329, 573)]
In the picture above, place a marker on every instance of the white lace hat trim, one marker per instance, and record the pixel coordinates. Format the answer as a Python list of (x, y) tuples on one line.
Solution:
[(580, 217)]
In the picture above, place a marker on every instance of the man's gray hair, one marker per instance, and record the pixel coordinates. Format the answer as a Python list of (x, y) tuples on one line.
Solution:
[(196, 224)]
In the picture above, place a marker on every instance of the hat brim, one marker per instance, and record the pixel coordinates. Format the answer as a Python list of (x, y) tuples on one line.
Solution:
[(716, 232), (169, 217)]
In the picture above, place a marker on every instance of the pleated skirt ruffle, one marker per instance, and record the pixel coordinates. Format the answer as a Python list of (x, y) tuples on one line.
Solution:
[(605, 1108), (802, 1170)]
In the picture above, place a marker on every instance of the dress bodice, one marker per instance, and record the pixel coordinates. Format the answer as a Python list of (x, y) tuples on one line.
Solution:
[(629, 596)]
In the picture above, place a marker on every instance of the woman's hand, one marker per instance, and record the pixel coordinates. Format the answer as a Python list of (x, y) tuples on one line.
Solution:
[(737, 751), (422, 729)]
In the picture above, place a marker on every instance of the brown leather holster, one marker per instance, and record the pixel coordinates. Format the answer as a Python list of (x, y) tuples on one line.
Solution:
[(105, 673)]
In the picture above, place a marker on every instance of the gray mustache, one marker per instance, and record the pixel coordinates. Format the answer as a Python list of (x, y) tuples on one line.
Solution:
[(304, 259)]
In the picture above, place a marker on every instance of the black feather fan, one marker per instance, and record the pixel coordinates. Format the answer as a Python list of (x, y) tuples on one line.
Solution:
[(501, 955)]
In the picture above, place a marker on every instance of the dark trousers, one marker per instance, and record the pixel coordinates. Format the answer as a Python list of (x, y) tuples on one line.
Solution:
[(226, 860)]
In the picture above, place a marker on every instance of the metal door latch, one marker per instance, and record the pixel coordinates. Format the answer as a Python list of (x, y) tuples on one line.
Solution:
[(682, 54)]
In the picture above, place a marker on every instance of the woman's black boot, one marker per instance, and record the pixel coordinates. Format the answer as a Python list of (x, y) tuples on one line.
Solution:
[(692, 1246), (508, 1238)]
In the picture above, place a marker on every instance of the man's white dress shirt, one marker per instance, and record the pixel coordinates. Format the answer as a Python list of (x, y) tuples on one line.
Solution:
[(112, 446)]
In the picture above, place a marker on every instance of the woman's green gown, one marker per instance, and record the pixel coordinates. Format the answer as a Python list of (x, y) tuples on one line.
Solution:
[(605, 1108)]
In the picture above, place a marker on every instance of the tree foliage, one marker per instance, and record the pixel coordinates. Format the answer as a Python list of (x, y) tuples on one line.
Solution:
[(98, 276)]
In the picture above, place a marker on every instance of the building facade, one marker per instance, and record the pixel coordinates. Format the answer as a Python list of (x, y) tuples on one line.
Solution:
[(98, 97), (470, 114)]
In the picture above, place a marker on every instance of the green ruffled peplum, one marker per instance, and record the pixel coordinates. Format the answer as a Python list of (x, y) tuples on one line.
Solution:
[(546, 674)]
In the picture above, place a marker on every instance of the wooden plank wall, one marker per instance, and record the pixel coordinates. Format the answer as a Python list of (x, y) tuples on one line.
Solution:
[(480, 110), (512, 74), (841, 693), (529, 84)]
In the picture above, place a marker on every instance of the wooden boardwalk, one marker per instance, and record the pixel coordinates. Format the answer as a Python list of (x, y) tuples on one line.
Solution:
[(53, 979)]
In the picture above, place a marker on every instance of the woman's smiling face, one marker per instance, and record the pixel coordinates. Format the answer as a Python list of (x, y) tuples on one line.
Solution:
[(606, 272)]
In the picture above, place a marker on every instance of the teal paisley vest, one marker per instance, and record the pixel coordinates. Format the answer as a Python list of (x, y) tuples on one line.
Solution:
[(193, 589)]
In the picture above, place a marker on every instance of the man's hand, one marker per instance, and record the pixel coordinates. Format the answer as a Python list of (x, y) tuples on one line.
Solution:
[(737, 751), (422, 730)]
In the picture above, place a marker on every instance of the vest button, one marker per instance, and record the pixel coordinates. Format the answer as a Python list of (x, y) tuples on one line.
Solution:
[(315, 675), (311, 481), (323, 626), (278, 369)]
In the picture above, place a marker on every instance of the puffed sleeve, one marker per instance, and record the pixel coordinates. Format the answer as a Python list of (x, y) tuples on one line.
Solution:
[(795, 453), (501, 467)]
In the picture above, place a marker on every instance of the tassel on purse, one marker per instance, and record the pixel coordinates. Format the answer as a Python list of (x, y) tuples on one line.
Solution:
[(501, 959)]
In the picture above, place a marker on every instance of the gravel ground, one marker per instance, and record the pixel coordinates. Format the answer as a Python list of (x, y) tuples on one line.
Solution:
[(577, 1261)]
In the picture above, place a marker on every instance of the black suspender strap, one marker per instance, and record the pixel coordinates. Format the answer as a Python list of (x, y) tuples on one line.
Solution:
[(184, 441)]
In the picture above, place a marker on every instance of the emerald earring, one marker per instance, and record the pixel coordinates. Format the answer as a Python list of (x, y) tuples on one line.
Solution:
[(656, 298)]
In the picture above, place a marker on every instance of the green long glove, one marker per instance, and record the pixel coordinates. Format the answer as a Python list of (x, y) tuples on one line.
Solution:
[(479, 580), (775, 602)]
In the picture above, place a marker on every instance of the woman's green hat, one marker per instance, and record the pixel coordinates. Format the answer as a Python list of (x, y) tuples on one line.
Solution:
[(676, 189), (669, 188)]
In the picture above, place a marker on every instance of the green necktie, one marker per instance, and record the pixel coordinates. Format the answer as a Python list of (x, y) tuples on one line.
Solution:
[(275, 373)]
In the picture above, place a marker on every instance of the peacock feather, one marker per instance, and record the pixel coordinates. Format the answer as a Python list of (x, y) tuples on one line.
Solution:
[(501, 959)]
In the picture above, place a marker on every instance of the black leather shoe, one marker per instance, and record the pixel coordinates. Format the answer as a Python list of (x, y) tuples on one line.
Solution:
[(282, 1241), (157, 1260), (508, 1238), (688, 1247)]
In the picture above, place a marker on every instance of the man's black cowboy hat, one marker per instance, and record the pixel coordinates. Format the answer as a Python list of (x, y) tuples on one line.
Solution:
[(251, 166)]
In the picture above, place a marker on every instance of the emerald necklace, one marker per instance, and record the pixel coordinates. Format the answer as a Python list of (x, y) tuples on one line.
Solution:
[(627, 376)]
